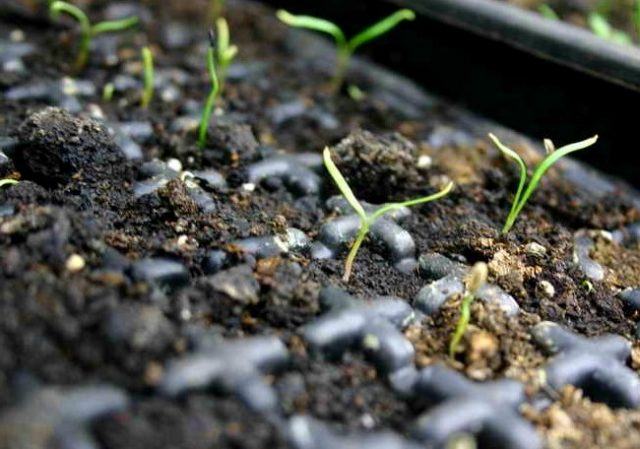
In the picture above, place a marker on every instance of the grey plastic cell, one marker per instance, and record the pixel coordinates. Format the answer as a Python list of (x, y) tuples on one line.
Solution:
[(595, 365), (60, 417), (230, 367), (295, 170), (582, 247), (488, 410), (307, 433), (373, 327)]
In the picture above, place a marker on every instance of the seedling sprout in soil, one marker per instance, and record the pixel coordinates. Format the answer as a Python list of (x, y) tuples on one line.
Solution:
[(367, 220), (522, 196), (601, 27), (477, 280), (346, 48), (220, 53), (147, 61), (89, 31), (107, 91), (7, 182)]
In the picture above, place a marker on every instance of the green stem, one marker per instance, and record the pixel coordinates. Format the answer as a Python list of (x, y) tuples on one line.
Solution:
[(83, 52), (211, 99), (147, 95), (206, 116), (461, 326), (344, 55), (348, 264)]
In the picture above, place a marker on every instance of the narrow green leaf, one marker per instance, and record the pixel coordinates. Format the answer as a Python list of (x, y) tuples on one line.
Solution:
[(59, 6), (387, 208), (314, 23), (114, 25), (342, 185), (380, 28), (7, 182)]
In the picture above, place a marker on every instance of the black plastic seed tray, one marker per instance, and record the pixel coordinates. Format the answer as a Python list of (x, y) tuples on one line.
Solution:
[(541, 77)]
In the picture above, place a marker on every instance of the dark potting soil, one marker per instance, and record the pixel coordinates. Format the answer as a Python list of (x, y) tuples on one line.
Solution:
[(156, 295)]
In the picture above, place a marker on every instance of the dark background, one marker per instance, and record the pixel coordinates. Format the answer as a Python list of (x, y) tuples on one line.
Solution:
[(519, 90)]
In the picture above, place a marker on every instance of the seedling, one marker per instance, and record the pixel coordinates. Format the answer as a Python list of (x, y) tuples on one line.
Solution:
[(213, 93), (88, 30), (477, 279), (547, 12), (216, 7), (220, 53), (522, 195), (367, 220), (601, 27), (107, 91), (7, 182), (147, 62), (345, 48)]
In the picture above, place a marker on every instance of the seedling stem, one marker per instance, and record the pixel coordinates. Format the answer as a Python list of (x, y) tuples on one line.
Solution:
[(213, 93)]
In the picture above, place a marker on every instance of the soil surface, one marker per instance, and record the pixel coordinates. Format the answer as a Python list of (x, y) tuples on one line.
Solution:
[(124, 247)]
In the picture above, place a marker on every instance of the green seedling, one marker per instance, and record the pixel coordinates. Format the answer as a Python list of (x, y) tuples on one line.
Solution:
[(522, 196), (7, 182), (147, 62), (367, 220), (547, 12), (601, 27), (107, 91), (88, 31), (225, 51), (477, 279), (345, 48), (220, 54), (213, 93), (216, 7)]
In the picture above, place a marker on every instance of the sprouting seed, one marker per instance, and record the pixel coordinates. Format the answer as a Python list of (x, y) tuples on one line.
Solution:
[(7, 182), (219, 56), (367, 220), (478, 277), (522, 195), (87, 29), (148, 75), (345, 48)]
